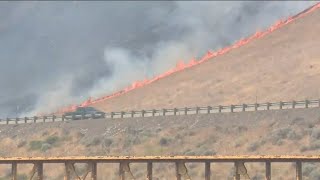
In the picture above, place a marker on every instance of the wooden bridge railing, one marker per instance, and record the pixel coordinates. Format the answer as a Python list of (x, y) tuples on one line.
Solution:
[(179, 161)]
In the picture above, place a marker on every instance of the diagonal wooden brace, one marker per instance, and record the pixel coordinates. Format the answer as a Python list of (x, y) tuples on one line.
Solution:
[(240, 169), (182, 171), (125, 170), (70, 170), (91, 168), (37, 168)]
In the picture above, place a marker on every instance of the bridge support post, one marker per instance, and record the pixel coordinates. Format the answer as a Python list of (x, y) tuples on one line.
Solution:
[(236, 171), (40, 170), (268, 170), (14, 171), (207, 172), (149, 171), (94, 171), (178, 175), (298, 170)]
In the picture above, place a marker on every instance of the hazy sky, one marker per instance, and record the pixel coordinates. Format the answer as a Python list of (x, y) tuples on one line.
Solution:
[(57, 53)]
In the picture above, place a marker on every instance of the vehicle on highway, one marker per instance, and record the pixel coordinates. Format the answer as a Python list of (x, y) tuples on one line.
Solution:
[(84, 113)]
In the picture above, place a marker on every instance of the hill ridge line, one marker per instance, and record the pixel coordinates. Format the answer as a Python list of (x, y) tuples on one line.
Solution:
[(209, 56)]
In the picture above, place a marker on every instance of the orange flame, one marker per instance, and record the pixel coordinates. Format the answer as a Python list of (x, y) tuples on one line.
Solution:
[(180, 66)]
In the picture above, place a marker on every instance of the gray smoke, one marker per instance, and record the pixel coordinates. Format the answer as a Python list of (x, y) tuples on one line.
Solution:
[(58, 53)]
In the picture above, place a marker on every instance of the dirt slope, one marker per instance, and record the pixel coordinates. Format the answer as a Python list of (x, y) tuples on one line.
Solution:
[(284, 65)]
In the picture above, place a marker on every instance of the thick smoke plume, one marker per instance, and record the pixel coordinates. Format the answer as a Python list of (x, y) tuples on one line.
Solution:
[(58, 53)]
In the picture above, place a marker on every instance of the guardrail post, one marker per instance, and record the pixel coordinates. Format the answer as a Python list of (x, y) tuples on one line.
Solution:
[(256, 105), (163, 112), (244, 106), (94, 171), (8, 120), (63, 117), (44, 118), (149, 171), (73, 117), (209, 109), (207, 172), (175, 111), (231, 108), (111, 115), (268, 170), (280, 104), (197, 110), (122, 113), (153, 112), (294, 104), (83, 116), (298, 170), (53, 118), (132, 114), (14, 171), (220, 109), (307, 103), (268, 106), (185, 111), (35, 119), (16, 121), (319, 102), (25, 119), (142, 113)]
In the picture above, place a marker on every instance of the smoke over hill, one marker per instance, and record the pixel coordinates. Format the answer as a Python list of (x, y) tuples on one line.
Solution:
[(57, 53)]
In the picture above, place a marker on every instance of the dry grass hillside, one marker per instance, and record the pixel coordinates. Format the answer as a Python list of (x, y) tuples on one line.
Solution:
[(294, 131), (284, 65)]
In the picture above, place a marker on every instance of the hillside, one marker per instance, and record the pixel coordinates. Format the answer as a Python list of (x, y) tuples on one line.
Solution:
[(290, 132), (283, 65)]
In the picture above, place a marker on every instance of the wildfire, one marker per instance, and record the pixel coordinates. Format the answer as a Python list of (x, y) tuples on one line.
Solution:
[(180, 66)]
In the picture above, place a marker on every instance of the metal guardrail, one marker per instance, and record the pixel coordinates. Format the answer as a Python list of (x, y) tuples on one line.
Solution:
[(181, 170), (174, 111)]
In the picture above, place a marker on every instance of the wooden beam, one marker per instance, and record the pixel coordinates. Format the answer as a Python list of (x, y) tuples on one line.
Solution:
[(207, 172), (149, 171), (298, 170), (268, 170), (178, 175), (94, 171), (14, 171)]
